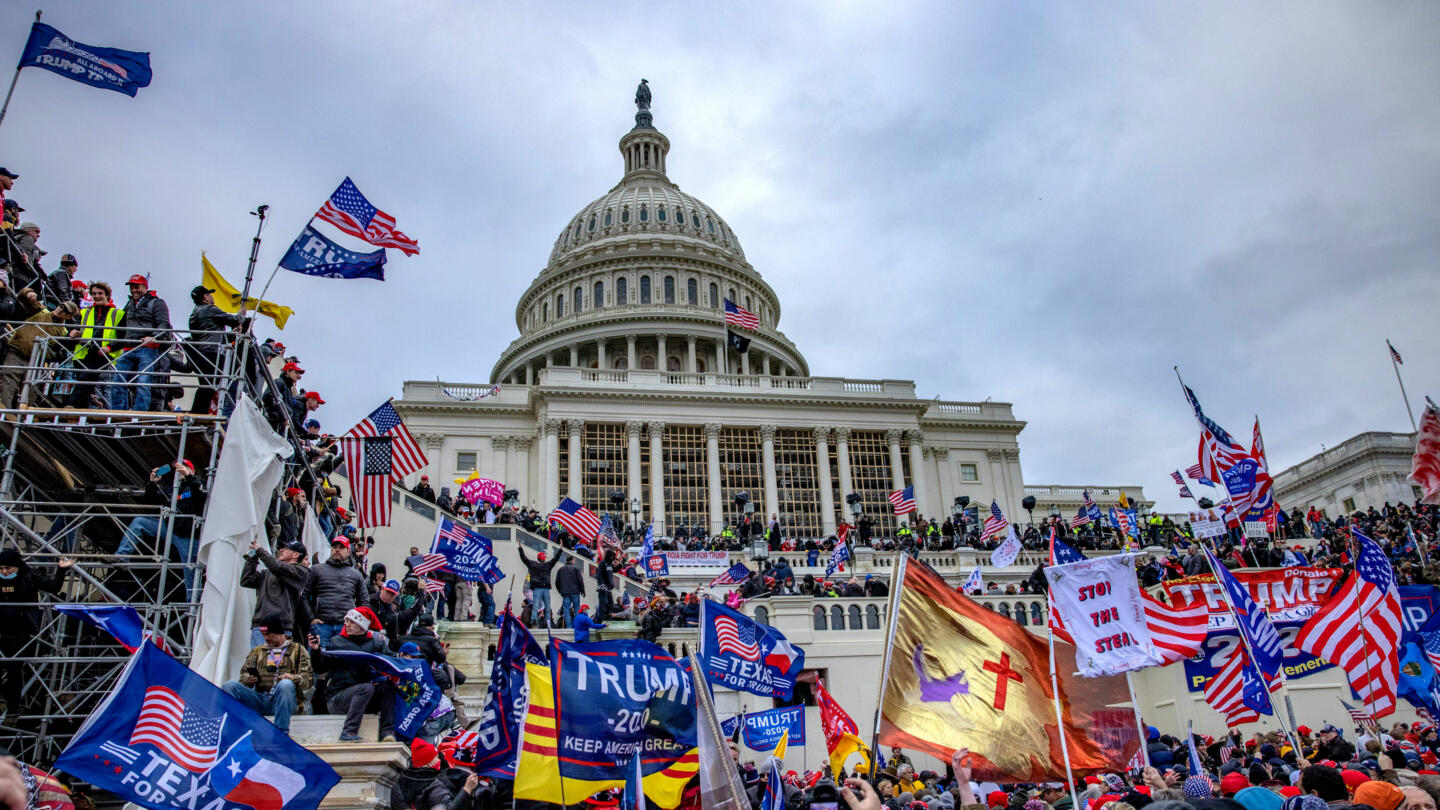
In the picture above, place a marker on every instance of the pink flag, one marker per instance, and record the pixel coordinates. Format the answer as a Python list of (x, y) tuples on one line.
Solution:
[(476, 489)]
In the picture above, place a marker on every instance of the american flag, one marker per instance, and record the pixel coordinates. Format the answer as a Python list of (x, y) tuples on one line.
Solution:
[(1360, 629), (453, 531), (348, 210), (734, 575), (994, 524), (1260, 496), (384, 421), (432, 585), (737, 315), (1252, 621), (607, 532), (1227, 751), (1178, 479), (369, 463), (1091, 508), (736, 639), (1080, 519), (1394, 355), (165, 722), (1431, 641), (1227, 691), (576, 519), (1061, 553), (1360, 716), (1177, 633), (429, 563), (903, 500), (1198, 473)]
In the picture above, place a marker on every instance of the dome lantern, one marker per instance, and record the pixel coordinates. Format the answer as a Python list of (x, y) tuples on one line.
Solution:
[(644, 147)]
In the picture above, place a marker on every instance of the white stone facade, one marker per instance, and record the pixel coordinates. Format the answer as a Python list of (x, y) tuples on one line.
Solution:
[(1367, 470)]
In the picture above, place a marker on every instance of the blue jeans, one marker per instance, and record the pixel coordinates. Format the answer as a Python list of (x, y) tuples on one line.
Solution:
[(279, 701), (325, 632), (569, 606), (487, 607), (148, 527), (128, 370), (540, 607)]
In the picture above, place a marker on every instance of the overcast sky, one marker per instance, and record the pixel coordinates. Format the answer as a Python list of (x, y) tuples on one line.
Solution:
[(1046, 204)]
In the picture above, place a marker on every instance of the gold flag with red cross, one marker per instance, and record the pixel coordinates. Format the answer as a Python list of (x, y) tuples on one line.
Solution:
[(962, 676)]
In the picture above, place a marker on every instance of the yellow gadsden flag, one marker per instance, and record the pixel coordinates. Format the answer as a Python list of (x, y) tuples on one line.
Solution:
[(537, 774), (962, 676), (228, 298)]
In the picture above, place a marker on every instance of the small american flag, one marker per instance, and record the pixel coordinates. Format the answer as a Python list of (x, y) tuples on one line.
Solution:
[(432, 585), (1195, 471), (576, 519), (370, 466), (994, 524), (1080, 519), (735, 575), (1227, 751), (1179, 480), (1394, 355), (903, 500), (429, 563), (739, 316), (1360, 716), (736, 639), (607, 532), (454, 532), (385, 421), (348, 210), (165, 722)]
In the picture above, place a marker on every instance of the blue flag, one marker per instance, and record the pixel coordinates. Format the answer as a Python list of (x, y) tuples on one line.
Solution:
[(468, 555), (1196, 766), (506, 698), (314, 254), (837, 558), (165, 738), (1252, 621), (1252, 687), (647, 547), (107, 68), (416, 695), (633, 797), (655, 566), (763, 730), (774, 798), (120, 621), (739, 654)]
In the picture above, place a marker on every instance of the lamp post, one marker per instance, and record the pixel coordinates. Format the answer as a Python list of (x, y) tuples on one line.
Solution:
[(635, 514)]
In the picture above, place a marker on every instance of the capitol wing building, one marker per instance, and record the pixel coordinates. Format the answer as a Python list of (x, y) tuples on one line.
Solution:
[(622, 380)]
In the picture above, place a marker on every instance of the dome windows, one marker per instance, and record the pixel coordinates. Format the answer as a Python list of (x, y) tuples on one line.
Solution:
[(622, 291), (714, 296), (648, 362), (692, 292), (545, 312), (711, 223), (625, 214), (644, 213), (669, 289), (660, 213), (560, 305), (695, 218), (598, 299), (644, 289), (607, 219), (578, 297), (592, 223)]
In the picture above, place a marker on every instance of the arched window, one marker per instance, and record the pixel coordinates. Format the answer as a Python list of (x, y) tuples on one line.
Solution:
[(647, 363), (714, 297), (855, 617), (660, 213), (733, 297), (622, 363), (747, 304), (1020, 616), (872, 617), (577, 229), (622, 292), (700, 364), (669, 289), (695, 218), (1037, 614), (545, 312), (711, 223), (597, 300), (1005, 609), (560, 305), (625, 214), (644, 213), (762, 615), (644, 289), (579, 296), (592, 223), (672, 364), (819, 618), (692, 292), (607, 219), (837, 617)]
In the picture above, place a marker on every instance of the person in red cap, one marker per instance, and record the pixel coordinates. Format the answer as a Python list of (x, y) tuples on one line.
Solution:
[(422, 785), (352, 684), (1233, 783), (335, 587), (290, 398), (144, 329)]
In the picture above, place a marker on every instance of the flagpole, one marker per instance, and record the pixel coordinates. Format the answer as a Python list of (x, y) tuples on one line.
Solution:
[(897, 577), (1139, 722), (16, 78), (1060, 716), (275, 272), (1393, 363), (254, 254)]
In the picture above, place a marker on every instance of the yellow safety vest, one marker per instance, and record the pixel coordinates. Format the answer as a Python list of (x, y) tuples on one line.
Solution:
[(113, 315)]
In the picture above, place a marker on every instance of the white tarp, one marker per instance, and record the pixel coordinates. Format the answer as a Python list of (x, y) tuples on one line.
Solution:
[(1099, 602), (249, 469)]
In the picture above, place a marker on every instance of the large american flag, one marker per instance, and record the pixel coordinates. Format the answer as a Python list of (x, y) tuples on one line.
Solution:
[(737, 315), (1081, 518), (348, 210), (576, 519), (994, 524), (1359, 629), (903, 500), (1226, 691), (1177, 633), (736, 639), (734, 575), (165, 722), (369, 462), (385, 421)]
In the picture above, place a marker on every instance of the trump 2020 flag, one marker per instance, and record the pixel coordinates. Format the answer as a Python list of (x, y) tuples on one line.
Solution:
[(505, 700), (314, 254), (107, 68), (416, 694), (468, 555), (157, 739), (838, 557), (740, 654)]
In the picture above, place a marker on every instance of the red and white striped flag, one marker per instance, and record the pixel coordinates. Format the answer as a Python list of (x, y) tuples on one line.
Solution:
[(385, 421), (370, 466), (348, 210), (429, 563), (1226, 692), (1177, 633), (737, 315), (167, 723), (432, 585)]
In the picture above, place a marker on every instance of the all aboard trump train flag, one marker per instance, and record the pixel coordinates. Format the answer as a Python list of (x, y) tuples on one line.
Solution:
[(961, 676)]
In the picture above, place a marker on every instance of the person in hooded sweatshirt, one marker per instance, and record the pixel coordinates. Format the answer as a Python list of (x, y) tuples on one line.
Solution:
[(584, 624), (20, 588), (353, 687), (422, 785)]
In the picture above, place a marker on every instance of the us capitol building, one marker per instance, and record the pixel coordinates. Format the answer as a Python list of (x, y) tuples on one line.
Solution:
[(621, 381)]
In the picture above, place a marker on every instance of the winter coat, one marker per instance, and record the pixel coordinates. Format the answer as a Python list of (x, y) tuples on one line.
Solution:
[(424, 789), (605, 576), (583, 625), (147, 318), (424, 637), (345, 674), (211, 319), (293, 661), (20, 619), (58, 290), (22, 340), (539, 571), (334, 587), (189, 503), (277, 587), (568, 580), (394, 618)]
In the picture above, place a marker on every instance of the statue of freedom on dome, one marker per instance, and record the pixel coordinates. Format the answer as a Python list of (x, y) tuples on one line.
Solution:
[(642, 95)]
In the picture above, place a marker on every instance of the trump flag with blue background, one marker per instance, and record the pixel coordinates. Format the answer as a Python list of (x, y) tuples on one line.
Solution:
[(468, 555), (416, 694), (107, 68), (739, 654), (157, 740), (761, 731), (505, 700), (314, 254)]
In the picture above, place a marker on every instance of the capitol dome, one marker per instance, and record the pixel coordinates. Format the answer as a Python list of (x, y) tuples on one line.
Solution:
[(649, 265)]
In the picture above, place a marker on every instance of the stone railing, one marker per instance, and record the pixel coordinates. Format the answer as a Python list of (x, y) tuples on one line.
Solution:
[(648, 379), (1345, 451)]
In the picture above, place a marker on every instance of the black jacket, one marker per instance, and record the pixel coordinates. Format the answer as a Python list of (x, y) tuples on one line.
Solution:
[(429, 644), (189, 503), (345, 674), (568, 580), (539, 571), (58, 290), (424, 789), (605, 576), (210, 318), (148, 317), (17, 618), (277, 587), (333, 589), (395, 621)]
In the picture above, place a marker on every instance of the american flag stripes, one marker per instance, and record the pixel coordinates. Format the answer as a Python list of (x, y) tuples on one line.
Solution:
[(737, 315), (576, 519), (348, 210), (1226, 691), (370, 465), (1179, 480), (428, 564), (734, 575), (1394, 355), (1359, 629), (736, 639), (1081, 518), (903, 500), (1252, 621), (165, 722), (432, 585), (385, 421), (994, 524), (1177, 633), (1198, 473), (1361, 717)]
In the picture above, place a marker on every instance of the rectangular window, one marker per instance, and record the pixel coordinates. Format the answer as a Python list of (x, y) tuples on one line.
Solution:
[(797, 480), (687, 494), (870, 474), (1349, 505), (969, 473), (465, 461), (741, 470), (605, 451)]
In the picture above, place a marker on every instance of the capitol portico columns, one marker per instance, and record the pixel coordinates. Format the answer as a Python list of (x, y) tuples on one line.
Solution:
[(842, 455), (822, 466), (517, 466), (551, 478), (600, 354), (500, 459), (577, 427), (917, 468), (897, 467), (772, 490), (632, 431), (574, 355), (657, 478), (946, 483), (712, 473)]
